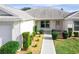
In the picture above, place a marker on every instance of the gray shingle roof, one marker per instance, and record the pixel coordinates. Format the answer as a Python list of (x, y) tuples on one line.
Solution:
[(3, 13), (47, 13), (74, 15)]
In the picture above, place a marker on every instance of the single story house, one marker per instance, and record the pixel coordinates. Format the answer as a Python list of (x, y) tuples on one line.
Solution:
[(48, 19), (13, 23)]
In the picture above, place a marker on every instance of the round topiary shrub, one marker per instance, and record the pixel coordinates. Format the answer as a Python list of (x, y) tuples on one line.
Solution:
[(9, 48), (76, 34), (65, 35), (54, 35)]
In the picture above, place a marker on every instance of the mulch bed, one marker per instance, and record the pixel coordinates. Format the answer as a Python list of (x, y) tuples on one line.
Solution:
[(35, 47)]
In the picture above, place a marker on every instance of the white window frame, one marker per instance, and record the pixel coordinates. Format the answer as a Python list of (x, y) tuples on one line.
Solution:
[(77, 25), (45, 24)]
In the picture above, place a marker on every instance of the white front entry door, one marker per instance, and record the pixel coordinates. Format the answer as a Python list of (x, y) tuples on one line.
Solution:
[(5, 33)]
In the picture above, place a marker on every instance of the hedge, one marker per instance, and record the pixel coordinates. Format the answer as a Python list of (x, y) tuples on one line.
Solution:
[(25, 44), (33, 34), (76, 34), (65, 35), (9, 48), (69, 32), (35, 29), (26, 39), (54, 35)]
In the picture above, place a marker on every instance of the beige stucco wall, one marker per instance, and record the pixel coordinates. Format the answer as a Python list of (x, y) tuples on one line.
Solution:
[(64, 24), (67, 24), (52, 25)]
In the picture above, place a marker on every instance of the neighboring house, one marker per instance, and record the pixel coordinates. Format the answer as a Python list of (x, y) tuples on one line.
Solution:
[(72, 21), (48, 19), (13, 23)]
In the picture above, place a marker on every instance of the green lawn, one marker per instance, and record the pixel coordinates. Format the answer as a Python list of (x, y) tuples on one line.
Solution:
[(67, 46)]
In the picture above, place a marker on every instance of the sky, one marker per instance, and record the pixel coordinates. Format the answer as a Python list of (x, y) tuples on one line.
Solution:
[(66, 7)]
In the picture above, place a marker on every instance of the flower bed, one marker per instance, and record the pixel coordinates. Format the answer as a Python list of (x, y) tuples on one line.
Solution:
[(35, 47)]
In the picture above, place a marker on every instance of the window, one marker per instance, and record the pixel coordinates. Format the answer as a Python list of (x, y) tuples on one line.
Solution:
[(76, 25), (45, 24), (57, 22)]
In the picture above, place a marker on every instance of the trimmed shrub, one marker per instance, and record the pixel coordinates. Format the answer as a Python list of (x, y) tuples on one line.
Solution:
[(35, 29), (76, 34), (24, 35), (53, 30), (41, 31), (31, 37), (33, 34), (9, 48), (26, 39), (65, 35), (29, 52), (25, 43), (69, 32), (54, 35)]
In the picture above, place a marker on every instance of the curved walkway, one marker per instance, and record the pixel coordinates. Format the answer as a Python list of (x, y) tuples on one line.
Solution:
[(48, 45)]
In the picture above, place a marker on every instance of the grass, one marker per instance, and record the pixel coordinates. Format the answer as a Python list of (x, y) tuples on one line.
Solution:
[(67, 46)]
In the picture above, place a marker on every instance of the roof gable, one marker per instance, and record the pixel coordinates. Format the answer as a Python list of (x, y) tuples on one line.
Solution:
[(3, 13), (5, 10), (73, 15)]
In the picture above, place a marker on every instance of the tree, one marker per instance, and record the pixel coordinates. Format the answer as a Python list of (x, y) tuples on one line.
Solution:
[(25, 8)]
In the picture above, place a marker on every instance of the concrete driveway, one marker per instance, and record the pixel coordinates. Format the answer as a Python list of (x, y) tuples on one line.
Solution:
[(48, 45)]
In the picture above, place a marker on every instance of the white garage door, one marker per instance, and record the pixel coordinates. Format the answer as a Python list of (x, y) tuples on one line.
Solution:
[(5, 33)]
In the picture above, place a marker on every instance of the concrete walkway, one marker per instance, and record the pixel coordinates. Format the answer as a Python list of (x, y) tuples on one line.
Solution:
[(48, 45)]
